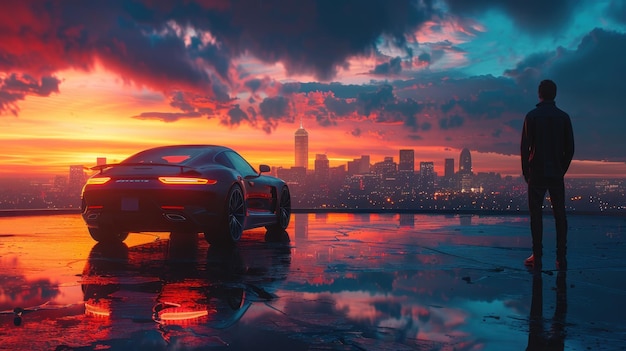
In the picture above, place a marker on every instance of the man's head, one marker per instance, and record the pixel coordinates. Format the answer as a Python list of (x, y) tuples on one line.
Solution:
[(547, 90)]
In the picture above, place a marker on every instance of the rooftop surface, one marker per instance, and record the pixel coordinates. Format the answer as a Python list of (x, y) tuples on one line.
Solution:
[(331, 282)]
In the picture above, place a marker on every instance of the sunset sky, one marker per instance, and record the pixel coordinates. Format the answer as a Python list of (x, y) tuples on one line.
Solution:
[(87, 79)]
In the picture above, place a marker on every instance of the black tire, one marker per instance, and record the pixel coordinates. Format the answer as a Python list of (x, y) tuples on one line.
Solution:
[(107, 236), (230, 227), (283, 212)]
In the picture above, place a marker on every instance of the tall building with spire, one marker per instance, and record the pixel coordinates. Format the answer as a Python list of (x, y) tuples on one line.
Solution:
[(465, 162), (302, 147)]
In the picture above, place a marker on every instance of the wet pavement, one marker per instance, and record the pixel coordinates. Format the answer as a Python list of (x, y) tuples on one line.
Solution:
[(331, 282)]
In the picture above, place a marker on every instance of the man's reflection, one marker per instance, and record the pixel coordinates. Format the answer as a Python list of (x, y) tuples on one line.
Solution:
[(538, 338)]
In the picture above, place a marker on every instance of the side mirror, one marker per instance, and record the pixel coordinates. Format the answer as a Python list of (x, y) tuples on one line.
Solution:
[(264, 169)]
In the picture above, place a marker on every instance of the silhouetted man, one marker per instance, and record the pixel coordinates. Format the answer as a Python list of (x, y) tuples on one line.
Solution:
[(547, 148)]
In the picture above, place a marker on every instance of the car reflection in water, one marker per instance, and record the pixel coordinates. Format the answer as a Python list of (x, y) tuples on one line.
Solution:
[(180, 282)]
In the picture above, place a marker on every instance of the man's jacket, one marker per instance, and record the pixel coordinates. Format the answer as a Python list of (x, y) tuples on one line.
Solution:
[(547, 145)]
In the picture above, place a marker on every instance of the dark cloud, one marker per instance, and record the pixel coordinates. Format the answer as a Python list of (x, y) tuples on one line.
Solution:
[(368, 102), (340, 107), (167, 117), (405, 111), (323, 119), (590, 82), (29, 85), (491, 104), (179, 100), (451, 122), (534, 16), (274, 107), (424, 57), (253, 84), (211, 55), (356, 132), (339, 90), (617, 10), (237, 115), (394, 66), (311, 36), (15, 88), (290, 88), (148, 43)]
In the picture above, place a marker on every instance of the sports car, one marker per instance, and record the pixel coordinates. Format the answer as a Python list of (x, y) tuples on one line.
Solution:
[(186, 189)]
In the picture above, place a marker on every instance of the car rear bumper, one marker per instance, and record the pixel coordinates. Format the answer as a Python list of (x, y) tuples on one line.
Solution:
[(139, 211)]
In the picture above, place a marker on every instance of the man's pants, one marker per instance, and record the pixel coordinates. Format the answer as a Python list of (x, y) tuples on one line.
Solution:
[(536, 193)]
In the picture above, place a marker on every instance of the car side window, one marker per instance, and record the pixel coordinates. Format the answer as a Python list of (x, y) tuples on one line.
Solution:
[(224, 160), (241, 165)]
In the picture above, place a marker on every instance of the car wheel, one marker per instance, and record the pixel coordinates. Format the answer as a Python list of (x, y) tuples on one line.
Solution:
[(231, 225), (283, 213), (107, 236), (235, 214)]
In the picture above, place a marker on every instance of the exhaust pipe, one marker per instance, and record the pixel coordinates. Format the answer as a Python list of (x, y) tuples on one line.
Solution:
[(175, 217), (93, 216)]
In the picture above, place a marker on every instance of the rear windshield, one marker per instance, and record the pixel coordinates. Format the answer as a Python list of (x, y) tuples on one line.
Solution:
[(174, 156)]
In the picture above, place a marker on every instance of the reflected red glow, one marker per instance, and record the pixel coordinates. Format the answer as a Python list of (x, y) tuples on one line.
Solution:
[(98, 309)]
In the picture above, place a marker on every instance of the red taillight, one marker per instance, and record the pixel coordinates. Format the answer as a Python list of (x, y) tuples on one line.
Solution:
[(97, 180), (173, 208), (186, 180), (96, 207)]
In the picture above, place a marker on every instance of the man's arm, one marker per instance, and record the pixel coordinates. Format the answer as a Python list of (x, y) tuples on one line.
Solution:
[(569, 144), (525, 149)]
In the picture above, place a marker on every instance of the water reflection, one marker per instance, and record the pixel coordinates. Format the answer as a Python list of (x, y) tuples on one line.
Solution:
[(407, 220), (301, 224), (20, 295), (354, 283), (553, 339), (176, 282)]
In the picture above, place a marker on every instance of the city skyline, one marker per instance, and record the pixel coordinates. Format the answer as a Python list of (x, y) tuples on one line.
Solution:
[(78, 81)]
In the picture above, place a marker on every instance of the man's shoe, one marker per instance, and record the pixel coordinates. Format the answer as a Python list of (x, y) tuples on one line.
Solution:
[(530, 261), (533, 261)]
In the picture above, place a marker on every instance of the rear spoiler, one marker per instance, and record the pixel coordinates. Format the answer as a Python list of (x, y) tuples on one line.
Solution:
[(139, 164)]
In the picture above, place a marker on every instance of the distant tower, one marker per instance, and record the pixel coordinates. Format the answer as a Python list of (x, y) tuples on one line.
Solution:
[(449, 168), (407, 160), (465, 162), (322, 168), (302, 147), (76, 179), (364, 165), (427, 176)]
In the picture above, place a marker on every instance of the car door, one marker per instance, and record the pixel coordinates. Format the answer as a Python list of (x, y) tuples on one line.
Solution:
[(259, 194)]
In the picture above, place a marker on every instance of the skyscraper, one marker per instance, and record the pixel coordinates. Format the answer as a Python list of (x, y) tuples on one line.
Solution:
[(364, 165), (465, 162), (449, 168), (302, 147), (407, 160), (76, 179), (465, 171), (427, 177), (322, 168)]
